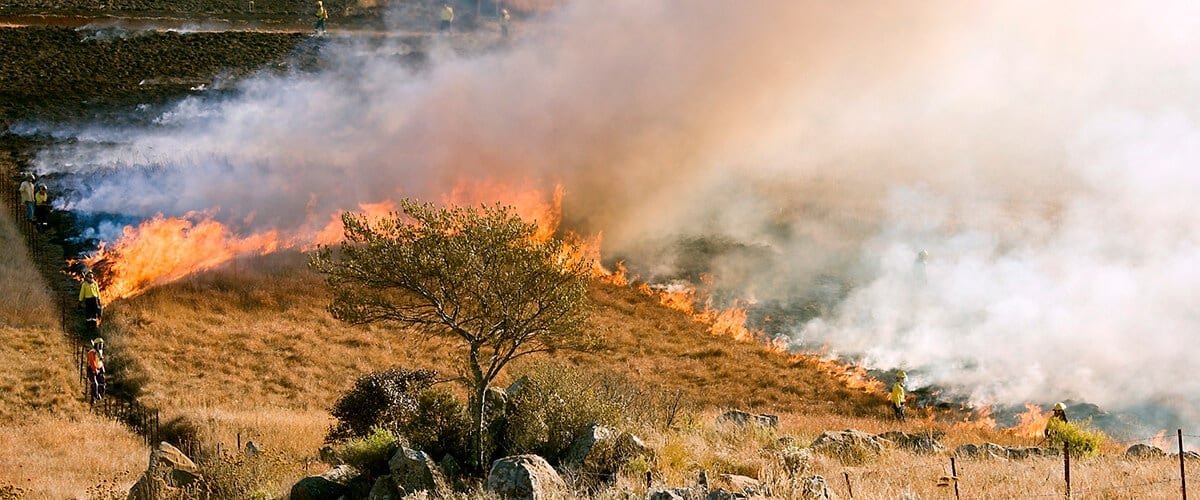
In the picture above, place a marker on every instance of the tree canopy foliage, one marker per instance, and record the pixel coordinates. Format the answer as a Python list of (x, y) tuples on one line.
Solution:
[(479, 275)]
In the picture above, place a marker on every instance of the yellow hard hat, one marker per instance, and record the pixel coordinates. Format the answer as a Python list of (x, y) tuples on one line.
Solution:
[(97, 341), (901, 374), (1059, 407)]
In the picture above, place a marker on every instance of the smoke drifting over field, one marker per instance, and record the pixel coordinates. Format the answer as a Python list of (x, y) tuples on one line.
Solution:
[(1044, 156)]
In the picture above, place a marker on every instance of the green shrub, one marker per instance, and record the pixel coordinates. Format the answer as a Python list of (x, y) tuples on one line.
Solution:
[(260, 476), (1080, 437), (438, 426), (378, 399), (372, 452), (554, 403)]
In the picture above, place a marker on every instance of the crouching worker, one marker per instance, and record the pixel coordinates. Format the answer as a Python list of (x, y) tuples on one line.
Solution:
[(89, 295), (95, 369)]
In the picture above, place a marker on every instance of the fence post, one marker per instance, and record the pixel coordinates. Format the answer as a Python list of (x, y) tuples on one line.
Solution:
[(1067, 467), (849, 489), (954, 476), (1182, 477)]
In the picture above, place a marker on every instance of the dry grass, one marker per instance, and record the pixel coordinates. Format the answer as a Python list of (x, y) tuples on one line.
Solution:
[(58, 457), (26, 302)]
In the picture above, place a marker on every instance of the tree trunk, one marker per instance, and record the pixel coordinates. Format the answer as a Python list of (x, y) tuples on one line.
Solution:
[(480, 392)]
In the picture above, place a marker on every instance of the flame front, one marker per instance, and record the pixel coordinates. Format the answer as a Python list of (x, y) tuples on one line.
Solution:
[(1031, 423)]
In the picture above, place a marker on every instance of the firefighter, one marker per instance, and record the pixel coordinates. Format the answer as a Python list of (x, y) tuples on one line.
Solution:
[(89, 295), (95, 369), (26, 190), (41, 199), (321, 15), (1060, 414), (897, 395), (447, 18), (504, 19)]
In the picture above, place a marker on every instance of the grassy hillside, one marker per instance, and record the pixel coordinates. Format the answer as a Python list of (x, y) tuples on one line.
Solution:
[(51, 446)]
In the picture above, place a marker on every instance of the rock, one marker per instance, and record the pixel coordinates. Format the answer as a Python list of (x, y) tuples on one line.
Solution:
[(329, 485), (849, 446), (995, 451), (744, 484), (1144, 451), (414, 471), (744, 418), (674, 494), (921, 444), (527, 477), (721, 494), (329, 456), (169, 470), (599, 452), (814, 488), (252, 448), (384, 489)]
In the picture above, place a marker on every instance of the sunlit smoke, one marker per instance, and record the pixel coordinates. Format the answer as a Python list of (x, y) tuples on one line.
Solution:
[(803, 152)]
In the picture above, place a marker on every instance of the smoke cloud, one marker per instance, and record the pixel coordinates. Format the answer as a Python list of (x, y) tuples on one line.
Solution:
[(1043, 155)]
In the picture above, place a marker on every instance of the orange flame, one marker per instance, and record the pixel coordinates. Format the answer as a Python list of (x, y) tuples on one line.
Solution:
[(1031, 423), (979, 419), (1160, 440)]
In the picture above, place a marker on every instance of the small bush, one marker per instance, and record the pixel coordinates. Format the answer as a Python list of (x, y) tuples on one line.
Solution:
[(378, 399), (258, 476), (372, 452), (438, 426), (1080, 437), (554, 404)]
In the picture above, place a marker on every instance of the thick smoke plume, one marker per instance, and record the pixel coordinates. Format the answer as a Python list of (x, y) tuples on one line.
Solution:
[(1043, 154)]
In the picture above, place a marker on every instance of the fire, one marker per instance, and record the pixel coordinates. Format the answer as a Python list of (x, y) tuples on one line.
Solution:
[(1030, 423), (854, 376), (979, 419), (163, 249), (1160, 440)]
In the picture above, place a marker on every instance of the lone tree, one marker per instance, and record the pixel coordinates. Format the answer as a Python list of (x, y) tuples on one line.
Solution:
[(479, 275)]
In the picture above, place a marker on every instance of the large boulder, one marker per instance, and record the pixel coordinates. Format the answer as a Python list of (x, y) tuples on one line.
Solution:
[(1144, 451), (169, 470), (746, 418), (329, 485), (921, 444), (598, 453), (995, 451), (414, 471), (848, 446), (527, 477)]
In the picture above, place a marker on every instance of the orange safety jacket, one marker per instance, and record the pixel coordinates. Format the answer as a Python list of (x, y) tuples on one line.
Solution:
[(94, 363)]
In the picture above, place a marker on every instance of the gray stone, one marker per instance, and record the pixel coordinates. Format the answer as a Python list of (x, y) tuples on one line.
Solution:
[(745, 418), (796, 461), (169, 469), (1144, 451), (814, 488), (527, 477), (675, 494), (414, 471), (329, 485), (252, 448), (849, 446), (743, 484), (921, 444), (722, 494), (384, 489)]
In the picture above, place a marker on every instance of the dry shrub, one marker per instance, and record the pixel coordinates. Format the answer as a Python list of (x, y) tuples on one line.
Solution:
[(260, 476), (382, 398)]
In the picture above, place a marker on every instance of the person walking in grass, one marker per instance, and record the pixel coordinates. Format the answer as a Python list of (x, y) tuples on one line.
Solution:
[(89, 295), (41, 209), (322, 15), (26, 189), (447, 18), (897, 395), (95, 369)]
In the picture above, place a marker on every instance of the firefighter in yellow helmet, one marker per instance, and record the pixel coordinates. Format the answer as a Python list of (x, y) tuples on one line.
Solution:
[(89, 295), (897, 395), (505, 18), (321, 15), (1060, 414), (447, 17)]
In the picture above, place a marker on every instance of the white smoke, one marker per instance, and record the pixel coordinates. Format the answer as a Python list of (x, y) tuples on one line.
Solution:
[(1044, 155)]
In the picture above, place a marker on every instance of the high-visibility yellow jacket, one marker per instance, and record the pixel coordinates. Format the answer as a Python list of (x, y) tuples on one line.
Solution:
[(504, 17), (321, 13), (94, 362), (897, 394), (90, 289), (41, 198), (447, 13), (26, 191)]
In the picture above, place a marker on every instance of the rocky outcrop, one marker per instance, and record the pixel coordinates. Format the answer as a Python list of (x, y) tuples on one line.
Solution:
[(675, 494), (814, 488), (413, 471), (995, 451), (796, 461), (921, 444), (168, 472), (1144, 451), (745, 418), (527, 477), (744, 485), (849, 446), (599, 452), (329, 485)]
